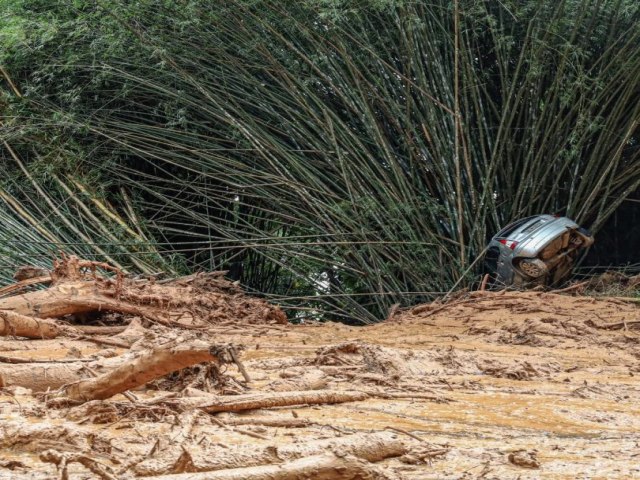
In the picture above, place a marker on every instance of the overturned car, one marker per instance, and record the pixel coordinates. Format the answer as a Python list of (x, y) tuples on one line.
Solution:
[(538, 250)]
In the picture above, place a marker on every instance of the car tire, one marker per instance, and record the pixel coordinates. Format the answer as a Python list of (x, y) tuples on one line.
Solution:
[(532, 267)]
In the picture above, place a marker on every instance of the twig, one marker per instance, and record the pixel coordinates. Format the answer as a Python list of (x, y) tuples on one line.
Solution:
[(400, 430), (16, 360), (236, 360), (103, 341), (483, 285), (570, 288)]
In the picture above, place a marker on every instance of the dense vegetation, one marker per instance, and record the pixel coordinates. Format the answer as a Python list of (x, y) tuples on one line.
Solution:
[(337, 156)]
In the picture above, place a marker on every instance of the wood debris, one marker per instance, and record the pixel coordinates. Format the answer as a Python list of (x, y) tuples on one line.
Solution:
[(107, 376)]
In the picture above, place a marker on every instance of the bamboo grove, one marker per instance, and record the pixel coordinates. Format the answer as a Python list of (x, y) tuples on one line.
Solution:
[(337, 157)]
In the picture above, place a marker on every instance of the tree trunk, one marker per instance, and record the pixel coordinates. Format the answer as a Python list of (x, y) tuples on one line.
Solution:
[(40, 377), (317, 467), (73, 297), (372, 447), (18, 325)]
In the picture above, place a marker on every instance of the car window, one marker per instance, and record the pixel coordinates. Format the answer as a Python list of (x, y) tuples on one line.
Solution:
[(512, 226)]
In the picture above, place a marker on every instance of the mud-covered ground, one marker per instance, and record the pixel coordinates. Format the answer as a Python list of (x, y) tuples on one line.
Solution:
[(496, 385)]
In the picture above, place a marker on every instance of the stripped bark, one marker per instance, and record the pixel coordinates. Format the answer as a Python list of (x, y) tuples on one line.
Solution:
[(318, 467), (18, 325)]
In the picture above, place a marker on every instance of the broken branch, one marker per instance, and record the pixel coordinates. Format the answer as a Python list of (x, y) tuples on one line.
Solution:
[(254, 401)]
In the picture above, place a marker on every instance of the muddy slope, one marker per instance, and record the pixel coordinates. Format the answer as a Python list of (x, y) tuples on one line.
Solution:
[(527, 385)]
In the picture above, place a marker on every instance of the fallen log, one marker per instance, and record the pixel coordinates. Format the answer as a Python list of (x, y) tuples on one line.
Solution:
[(372, 447), (40, 377), (254, 401), (146, 366), (31, 361), (18, 325), (103, 341), (74, 297), (317, 467), (115, 375), (100, 330)]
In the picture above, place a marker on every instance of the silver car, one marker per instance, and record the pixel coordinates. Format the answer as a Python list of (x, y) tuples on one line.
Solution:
[(538, 250)]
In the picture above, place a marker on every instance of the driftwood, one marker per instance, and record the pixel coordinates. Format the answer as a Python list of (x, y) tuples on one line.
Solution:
[(18, 325), (317, 467), (254, 401), (372, 447)]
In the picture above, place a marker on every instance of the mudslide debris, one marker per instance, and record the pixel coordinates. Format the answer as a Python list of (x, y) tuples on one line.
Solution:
[(108, 376)]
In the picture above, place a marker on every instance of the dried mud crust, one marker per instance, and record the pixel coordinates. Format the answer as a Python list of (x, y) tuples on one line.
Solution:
[(513, 385)]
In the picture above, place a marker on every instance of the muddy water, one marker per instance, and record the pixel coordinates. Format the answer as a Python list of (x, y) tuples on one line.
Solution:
[(570, 394)]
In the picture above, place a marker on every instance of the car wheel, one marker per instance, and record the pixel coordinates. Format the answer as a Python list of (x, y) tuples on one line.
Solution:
[(532, 267)]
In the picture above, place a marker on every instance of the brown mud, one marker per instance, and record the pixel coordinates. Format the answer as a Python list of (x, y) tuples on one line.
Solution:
[(489, 385)]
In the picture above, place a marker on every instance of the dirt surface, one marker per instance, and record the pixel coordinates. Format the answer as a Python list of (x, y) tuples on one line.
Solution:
[(492, 385)]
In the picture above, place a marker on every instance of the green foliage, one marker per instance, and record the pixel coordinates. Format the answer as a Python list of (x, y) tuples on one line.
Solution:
[(321, 150)]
